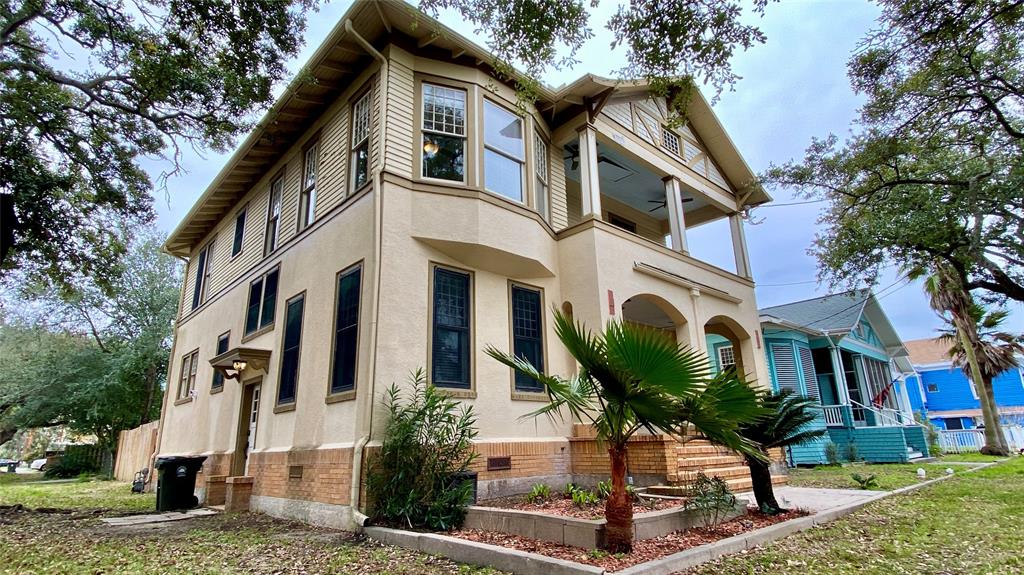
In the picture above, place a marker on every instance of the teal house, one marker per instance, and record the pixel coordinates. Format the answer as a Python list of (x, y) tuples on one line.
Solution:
[(842, 351)]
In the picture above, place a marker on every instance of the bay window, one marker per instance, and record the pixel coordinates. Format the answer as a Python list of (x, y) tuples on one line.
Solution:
[(444, 133), (503, 152)]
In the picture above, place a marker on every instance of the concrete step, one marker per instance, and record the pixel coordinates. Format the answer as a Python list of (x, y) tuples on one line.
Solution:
[(708, 461), (723, 472), (691, 450)]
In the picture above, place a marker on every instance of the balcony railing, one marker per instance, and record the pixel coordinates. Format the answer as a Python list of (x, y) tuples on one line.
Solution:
[(833, 415)]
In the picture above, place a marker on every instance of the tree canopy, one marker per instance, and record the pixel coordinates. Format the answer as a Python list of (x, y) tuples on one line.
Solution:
[(935, 168), (87, 88)]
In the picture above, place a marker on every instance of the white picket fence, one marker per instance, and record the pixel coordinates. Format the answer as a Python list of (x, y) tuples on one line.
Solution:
[(967, 440)]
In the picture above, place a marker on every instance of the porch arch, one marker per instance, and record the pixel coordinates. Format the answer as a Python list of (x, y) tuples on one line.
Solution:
[(655, 311), (739, 340)]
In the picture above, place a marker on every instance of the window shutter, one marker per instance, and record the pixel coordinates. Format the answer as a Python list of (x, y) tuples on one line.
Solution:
[(785, 367), (810, 376)]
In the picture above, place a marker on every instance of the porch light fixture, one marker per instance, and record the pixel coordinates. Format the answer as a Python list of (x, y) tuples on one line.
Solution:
[(239, 365)]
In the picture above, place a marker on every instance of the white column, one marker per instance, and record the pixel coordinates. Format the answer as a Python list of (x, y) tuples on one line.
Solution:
[(589, 184), (739, 245), (676, 218)]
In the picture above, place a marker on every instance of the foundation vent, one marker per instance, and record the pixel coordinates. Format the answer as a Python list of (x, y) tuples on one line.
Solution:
[(499, 463), (294, 472)]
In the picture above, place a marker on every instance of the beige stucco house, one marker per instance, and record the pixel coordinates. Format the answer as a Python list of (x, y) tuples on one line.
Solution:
[(394, 211)]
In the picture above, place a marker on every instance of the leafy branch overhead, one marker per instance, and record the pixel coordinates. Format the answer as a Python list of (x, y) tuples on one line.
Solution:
[(935, 170)]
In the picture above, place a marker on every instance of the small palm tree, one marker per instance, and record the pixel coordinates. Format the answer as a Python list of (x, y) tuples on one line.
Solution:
[(633, 378), (786, 424)]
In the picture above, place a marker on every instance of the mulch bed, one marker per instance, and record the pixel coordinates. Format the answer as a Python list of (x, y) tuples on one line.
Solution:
[(563, 506), (643, 551)]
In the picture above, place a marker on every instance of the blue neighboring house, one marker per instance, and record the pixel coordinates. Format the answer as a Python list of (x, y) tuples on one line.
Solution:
[(842, 351), (948, 398)]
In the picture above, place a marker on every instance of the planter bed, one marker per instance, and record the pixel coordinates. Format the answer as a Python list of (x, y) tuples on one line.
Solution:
[(563, 506), (643, 550)]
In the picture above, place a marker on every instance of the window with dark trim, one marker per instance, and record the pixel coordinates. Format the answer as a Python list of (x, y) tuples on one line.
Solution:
[(954, 423), (262, 302), (346, 331), (444, 133), (361, 141), (189, 367), (290, 349), (452, 306), (236, 247), (202, 275), (273, 216), (307, 197), (527, 334), (222, 347), (933, 388), (621, 222)]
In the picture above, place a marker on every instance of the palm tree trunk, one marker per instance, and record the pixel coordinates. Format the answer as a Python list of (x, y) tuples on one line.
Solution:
[(761, 482), (994, 444), (988, 392), (618, 509)]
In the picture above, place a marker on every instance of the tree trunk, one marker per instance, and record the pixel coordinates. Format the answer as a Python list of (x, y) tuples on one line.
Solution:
[(761, 481), (150, 392), (618, 509), (994, 443), (988, 392)]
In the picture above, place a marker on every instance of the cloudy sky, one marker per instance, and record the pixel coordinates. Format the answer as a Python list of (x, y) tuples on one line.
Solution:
[(794, 87)]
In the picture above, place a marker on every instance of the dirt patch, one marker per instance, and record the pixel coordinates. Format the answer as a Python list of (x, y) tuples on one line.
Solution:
[(563, 506), (643, 551)]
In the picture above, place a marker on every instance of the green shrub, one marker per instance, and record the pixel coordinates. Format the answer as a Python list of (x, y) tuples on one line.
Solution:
[(832, 453), (76, 461), (569, 488), (865, 481), (539, 493), (412, 481), (584, 497), (711, 498), (604, 488), (851, 452)]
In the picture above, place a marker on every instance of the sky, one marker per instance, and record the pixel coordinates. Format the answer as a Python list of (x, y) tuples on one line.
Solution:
[(793, 88)]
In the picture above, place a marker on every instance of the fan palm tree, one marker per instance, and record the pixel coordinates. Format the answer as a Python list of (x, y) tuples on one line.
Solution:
[(786, 424), (954, 303), (633, 378)]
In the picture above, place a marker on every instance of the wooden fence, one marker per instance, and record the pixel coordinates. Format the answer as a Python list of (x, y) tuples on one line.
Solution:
[(135, 450)]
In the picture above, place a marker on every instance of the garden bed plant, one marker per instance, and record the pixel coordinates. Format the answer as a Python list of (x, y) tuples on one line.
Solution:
[(577, 501)]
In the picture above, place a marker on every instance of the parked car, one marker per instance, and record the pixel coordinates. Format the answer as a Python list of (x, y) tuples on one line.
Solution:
[(39, 464)]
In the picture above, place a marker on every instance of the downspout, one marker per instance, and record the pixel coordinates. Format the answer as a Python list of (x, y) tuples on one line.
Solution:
[(378, 209)]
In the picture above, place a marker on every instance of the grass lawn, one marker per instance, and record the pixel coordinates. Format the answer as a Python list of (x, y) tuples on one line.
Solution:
[(229, 543), (889, 475), (968, 524), (971, 458)]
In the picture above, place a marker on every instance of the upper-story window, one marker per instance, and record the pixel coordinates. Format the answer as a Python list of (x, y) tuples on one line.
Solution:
[(444, 133), (503, 151), (222, 347), (361, 141), (274, 215), (202, 275), (307, 198), (540, 168), (259, 313), (670, 141), (236, 246)]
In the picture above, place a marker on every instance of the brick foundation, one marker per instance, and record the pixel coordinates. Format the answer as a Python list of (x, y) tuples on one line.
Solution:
[(320, 475), (216, 490), (239, 491)]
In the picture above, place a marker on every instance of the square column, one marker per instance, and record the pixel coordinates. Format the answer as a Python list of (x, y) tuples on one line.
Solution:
[(739, 245), (676, 219), (590, 187)]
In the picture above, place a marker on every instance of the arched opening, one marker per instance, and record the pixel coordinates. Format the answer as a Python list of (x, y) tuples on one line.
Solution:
[(655, 312), (567, 309), (728, 344)]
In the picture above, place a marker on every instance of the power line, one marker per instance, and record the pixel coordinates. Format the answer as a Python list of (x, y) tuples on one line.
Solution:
[(773, 205), (879, 295)]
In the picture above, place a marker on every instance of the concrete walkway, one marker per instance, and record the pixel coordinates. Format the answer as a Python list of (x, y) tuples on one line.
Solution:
[(815, 499), (132, 520)]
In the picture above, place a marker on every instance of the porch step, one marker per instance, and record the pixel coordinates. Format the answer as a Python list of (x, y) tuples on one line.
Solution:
[(735, 472), (708, 461)]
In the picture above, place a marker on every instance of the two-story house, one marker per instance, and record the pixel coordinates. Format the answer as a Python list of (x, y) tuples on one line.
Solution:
[(399, 208), (842, 351), (948, 398)]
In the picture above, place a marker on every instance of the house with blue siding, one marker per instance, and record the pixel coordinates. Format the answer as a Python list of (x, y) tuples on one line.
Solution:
[(842, 351), (948, 398)]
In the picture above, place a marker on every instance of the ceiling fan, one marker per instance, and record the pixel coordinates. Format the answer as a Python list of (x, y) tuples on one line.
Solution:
[(574, 155), (664, 203)]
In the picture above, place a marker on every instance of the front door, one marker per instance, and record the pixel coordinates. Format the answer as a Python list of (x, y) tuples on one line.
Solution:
[(248, 418)]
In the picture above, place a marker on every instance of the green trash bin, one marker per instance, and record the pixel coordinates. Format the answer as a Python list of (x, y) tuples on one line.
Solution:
[(176, 482)]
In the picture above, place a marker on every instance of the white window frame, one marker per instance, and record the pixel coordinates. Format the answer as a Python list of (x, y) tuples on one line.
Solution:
[(361, 128), (521, 161), (542, 177), (273, 215), (424, 130), (721, 363), (665, 135), (307, 195)]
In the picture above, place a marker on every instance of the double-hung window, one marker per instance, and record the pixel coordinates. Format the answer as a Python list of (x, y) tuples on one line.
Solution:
[(218, 376), (202, 275), (503, 151), (361, 141), (346, 331), (262, 302), (307, 197), (527, 334), (189, 366), (273, 215), (540, 169), (290, 349), (444, 133), (236, 246), (452, 309)]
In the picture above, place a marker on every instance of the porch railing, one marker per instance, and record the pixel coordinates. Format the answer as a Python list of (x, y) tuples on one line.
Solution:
[(884, 417), (961, 440), (833, 415)]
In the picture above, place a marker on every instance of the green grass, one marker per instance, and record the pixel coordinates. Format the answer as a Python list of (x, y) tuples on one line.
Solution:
[(80, 544), (971, 458), (77, 495), (968, 524), (889, 476)]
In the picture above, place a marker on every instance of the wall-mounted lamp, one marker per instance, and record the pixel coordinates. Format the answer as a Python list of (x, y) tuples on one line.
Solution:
[(239, 365)]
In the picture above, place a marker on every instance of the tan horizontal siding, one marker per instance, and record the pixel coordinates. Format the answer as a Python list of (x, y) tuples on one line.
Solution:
[(556, 176), (401, 97), (331, 182)]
